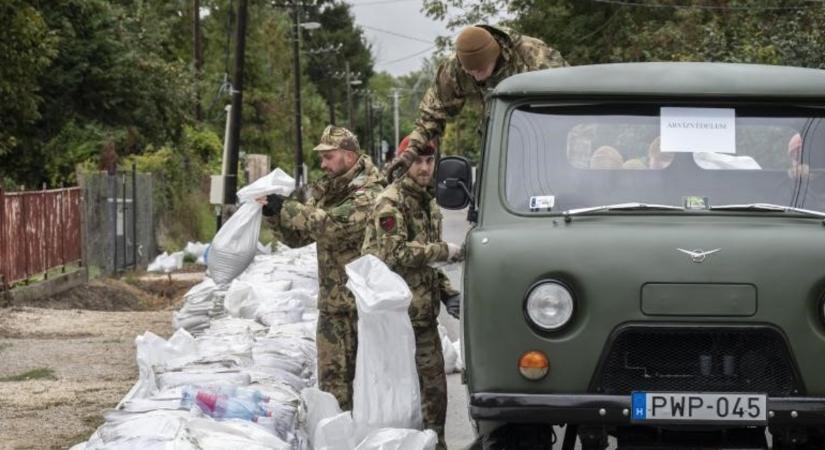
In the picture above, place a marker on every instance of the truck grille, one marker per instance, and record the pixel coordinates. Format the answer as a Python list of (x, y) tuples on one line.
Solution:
[(697, 359)]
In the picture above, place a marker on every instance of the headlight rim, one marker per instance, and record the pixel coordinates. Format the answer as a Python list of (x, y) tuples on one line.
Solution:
[(535, 326)]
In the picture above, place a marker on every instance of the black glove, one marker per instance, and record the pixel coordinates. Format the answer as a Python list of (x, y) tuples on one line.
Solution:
[(453, 305), (274, 203), (399, 166)]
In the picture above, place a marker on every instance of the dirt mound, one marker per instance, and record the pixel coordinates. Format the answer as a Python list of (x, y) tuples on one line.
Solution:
[(116, 295)]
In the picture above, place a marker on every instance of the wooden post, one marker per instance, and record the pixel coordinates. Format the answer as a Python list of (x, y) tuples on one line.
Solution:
[(44, 242), (3, 247), (61, 203), (24, 212)]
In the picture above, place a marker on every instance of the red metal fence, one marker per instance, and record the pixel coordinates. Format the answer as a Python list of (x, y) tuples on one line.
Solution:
[(39, 231)]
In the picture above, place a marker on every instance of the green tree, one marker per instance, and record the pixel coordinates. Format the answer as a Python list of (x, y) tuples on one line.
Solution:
[(26, 49)]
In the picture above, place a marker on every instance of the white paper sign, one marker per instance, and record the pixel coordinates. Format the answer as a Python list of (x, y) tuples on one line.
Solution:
[(696, 130)]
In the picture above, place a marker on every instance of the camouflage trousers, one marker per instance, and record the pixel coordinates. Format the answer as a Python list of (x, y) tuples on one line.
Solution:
[(337, 342), (431, 377)]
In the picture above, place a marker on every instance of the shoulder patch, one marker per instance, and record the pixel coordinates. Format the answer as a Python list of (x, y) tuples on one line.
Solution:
[(387, 223)]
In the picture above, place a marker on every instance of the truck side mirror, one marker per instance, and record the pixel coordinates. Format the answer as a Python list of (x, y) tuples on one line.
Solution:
[(454, 183)]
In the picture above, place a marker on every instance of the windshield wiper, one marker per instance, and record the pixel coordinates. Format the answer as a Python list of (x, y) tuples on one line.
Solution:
[(767, 207), (633, 206)]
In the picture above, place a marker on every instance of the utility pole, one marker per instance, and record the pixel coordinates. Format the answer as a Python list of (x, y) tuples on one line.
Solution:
[(367, 120), (379, 151), (197, 55), (349, 99), (231, 181), (296, 72), (395, 116)]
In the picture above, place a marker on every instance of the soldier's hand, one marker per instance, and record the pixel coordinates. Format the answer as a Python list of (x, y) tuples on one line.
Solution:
[(455, 252), (453, 305), (274, 203), (399, 166)]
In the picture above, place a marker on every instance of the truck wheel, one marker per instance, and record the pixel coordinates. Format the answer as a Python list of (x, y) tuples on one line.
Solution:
[(520, 437)]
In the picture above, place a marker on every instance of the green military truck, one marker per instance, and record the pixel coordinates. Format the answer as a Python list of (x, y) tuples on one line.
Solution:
[(647, 259)]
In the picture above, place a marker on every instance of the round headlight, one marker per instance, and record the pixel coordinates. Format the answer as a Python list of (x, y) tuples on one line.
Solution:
[(549, 305)]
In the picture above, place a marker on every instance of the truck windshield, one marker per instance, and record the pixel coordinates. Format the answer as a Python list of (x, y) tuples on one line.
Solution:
[(570, 157)]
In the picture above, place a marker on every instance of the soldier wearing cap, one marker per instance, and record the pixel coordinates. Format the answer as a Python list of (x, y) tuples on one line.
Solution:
[(334, 215), (484, 56), (406, 234)]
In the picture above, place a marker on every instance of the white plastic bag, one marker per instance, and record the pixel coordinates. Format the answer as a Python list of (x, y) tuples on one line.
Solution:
[(396, 439), (276, 182), (385, 390)]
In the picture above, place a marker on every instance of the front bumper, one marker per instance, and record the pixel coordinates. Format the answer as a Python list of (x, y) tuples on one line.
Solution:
[(615, 409)]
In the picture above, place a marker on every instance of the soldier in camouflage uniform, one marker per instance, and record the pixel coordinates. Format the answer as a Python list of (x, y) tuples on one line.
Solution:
[(406, 234), (334, 216), (485, 55)]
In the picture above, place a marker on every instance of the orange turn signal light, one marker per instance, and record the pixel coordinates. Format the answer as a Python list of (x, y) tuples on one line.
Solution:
[(534, 365)]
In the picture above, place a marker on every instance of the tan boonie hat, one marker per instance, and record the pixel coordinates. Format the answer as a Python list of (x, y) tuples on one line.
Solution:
[(334, 138), (476, 48)]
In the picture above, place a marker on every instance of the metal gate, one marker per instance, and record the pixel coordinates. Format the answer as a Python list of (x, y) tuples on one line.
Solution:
[(123, 217)]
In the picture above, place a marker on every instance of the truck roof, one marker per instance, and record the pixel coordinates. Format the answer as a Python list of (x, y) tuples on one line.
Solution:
[(669, 79)]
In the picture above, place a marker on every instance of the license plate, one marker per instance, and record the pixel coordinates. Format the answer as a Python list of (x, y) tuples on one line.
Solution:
[(696, 407)]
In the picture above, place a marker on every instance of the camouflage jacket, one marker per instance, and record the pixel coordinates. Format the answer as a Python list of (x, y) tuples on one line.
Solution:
[(453, 87), (335, 217), (406, 234)]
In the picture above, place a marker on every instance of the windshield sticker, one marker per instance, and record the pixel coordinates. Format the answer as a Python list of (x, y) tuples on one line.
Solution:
[(695, 202), (693, 130), (542, 202)]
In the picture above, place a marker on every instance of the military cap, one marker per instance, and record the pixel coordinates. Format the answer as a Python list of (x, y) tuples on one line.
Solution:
[(334, 138), (476, 48)]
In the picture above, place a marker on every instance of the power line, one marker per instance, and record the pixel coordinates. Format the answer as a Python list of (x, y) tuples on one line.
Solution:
[(709, 7), (405, 36), (406, 57)]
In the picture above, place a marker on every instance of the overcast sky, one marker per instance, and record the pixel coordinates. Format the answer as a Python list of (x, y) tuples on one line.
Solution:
[(384, 20)]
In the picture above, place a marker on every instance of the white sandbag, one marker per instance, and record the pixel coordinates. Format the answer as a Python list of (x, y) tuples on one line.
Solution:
[(335, 433), (235, 244), (319, 405), (264, 249), (153, 351), (275, 182), (233, 433), (170, 380), (154, 429), (385, 389), (398, 439), (166, 263), (194, 250), (447, 349), (244, 297)]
